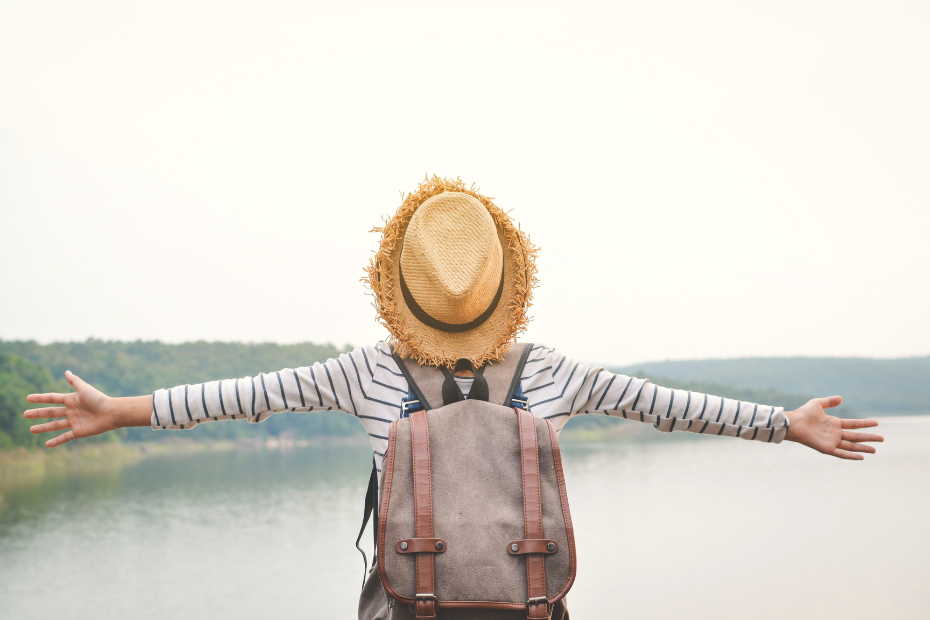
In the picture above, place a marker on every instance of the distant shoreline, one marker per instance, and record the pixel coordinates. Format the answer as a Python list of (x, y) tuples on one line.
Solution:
[(26, 467)]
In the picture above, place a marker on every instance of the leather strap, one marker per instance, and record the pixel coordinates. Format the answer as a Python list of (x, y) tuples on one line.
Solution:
[(532, 546), (421, 545), (423, 516), (537, 607)]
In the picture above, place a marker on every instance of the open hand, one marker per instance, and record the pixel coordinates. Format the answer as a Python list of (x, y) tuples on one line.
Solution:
[(86, 412), (811, 426)]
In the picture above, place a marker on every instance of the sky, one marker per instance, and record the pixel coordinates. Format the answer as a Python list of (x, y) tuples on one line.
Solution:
[(705, 180)]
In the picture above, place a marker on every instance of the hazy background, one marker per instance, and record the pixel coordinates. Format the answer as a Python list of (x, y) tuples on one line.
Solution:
[(710, 179), (706, 180)]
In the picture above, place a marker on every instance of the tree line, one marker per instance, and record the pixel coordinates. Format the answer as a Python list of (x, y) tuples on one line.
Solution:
[(134, 368)]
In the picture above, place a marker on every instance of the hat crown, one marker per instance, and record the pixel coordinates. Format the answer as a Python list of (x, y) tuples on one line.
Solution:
[(452, 258)]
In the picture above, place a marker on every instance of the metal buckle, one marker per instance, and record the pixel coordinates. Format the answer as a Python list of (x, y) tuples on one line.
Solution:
[(537, 600), (525, 403), (409, 403), (426, 597)]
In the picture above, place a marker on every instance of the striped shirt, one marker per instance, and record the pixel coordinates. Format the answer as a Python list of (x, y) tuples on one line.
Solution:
[(368, 384)]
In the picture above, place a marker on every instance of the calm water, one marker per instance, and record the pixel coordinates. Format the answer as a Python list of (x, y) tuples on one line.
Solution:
[(667, 527)]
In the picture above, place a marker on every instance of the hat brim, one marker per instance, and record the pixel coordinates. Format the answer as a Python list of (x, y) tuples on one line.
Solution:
[(414, 339)]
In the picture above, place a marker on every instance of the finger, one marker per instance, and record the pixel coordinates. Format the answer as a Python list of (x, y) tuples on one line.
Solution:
[(860, 437), (57, 441), (858, 423), (856, 447), (56, 425), (76, 382), (55, 399), (830, 401), (842, 454), (44, 412)]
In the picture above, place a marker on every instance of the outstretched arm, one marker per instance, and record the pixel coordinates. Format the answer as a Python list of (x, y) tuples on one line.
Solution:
[(86, 412), (559, 388), (812, 427), (345, 383)]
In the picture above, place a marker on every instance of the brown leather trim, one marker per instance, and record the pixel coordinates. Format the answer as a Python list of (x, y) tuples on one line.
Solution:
[(421, 545), (388, 471), (532, 546), (480, 605), (408, 600), (569, 530), (423, 514), (532, 515)]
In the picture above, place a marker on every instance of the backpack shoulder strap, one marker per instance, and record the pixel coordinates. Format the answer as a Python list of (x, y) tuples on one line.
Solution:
[(425, 381), (504, 377)]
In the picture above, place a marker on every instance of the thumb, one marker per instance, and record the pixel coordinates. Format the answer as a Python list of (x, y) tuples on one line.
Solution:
[(830, 401), (76, 382)]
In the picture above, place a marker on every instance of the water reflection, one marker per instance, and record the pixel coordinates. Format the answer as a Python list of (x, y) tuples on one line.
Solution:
[(667, 526)]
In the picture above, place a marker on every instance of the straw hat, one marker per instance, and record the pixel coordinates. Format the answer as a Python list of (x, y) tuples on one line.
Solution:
[(453, 277)]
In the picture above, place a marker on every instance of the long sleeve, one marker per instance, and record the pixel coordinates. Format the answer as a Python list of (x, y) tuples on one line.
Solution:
[(365, 383), (558, 388), (339, 384)]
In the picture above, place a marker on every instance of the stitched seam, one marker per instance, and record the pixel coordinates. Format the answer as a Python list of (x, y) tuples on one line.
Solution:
[(526, 523), (429, 512), (416, 522), (540, 558), (427, 563)]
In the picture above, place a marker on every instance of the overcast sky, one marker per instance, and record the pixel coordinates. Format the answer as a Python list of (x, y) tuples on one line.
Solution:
[(705, 179)]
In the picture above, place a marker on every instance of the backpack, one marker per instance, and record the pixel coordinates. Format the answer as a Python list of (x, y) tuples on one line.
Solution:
[(473, 519)]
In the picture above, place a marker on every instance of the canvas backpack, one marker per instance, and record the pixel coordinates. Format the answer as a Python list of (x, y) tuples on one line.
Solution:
[(473, 518)]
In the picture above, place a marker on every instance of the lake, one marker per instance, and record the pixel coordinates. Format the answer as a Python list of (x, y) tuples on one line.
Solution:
[(667, 526)]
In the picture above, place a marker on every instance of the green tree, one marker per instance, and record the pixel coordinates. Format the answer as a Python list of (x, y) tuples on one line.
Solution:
[(18, 379)]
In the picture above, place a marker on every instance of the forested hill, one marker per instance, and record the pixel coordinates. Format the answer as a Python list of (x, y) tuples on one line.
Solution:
[(868, 386), (134, 368)]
